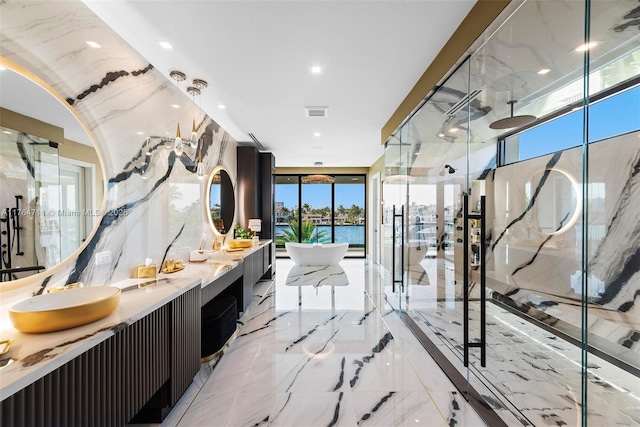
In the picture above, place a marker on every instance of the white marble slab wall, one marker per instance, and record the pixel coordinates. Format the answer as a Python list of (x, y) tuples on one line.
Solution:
[(544, 270), (118, 94)]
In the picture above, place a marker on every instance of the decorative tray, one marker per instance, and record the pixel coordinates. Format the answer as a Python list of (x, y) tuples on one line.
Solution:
[(164, 270)]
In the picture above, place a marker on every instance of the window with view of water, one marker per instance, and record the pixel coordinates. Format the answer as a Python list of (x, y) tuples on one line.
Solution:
[(322, 212)]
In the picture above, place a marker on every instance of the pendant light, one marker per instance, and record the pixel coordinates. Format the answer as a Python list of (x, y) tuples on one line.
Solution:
[(178, 146), (200, 169), (193, 140)]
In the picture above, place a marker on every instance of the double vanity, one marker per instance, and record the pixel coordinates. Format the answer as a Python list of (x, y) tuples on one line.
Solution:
[(132, 365)]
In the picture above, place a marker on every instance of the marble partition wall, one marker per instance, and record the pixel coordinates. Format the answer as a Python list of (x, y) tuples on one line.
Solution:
[(536, 244), (153, 205)]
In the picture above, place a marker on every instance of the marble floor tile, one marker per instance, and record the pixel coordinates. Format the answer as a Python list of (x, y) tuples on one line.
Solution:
[(325, 359)]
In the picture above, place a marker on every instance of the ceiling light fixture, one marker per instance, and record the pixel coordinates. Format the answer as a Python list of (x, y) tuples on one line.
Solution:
[(316, 69), (93, 44), (544, 71), (586, 46), (318, 178), (316, 134), (512, 121), (454, 129), (441, 135), (222, 106), (166, 45), (198, 85), (176, 106)]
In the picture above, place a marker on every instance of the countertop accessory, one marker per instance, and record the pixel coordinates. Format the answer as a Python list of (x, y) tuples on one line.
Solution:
[(198, 256), (240, 243), (64, 310), (5, 345), (66, 287)]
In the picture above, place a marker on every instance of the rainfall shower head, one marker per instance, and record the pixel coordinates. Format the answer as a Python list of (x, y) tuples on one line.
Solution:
[(512, 121)]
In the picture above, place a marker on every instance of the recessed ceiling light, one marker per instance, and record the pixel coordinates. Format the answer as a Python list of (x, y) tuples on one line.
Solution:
[(316, 134), (7, 132), (2, 68), (454, 129), (175, 105), (316, 69), (166, 45), (544, 71), (416, 153), (140, 133), (586, 46), (576, 108), (93, 44), (441, 135), (222, 106)]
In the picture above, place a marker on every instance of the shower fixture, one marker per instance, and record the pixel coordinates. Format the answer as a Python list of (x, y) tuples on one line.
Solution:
[(512, 121), (446, 168)]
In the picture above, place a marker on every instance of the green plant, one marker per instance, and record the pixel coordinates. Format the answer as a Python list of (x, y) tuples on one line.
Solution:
[(240, 233), (308, 235)]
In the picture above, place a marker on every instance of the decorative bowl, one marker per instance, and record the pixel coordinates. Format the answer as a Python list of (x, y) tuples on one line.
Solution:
[(240, 243), (64, 310)]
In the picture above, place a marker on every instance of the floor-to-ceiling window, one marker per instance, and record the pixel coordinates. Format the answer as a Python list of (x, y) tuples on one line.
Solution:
[(321, 209)]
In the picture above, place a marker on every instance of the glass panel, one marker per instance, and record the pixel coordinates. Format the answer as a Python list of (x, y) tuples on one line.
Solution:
[(29, 202), (72, 219), (609, 230), (316, 213), (349, 213), (287, 203)]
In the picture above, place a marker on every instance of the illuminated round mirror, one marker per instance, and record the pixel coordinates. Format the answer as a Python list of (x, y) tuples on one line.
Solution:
[(51, 178), (220, 201), (557, 205)]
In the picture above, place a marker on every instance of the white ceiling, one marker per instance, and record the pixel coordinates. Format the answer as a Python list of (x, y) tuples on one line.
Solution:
[(256, 56)]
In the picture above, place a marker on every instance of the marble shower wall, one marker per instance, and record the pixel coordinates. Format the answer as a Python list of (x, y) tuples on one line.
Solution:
[(153, 199), (544, 270)]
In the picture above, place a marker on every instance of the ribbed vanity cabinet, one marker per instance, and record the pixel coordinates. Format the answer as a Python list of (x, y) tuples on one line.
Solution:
[(256, 265), (142, 369)]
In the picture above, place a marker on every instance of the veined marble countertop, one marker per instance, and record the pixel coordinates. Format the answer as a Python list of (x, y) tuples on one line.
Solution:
[(32, 356)]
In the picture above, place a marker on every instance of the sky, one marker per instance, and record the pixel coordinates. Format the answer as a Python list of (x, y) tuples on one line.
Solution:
[(612, 116), (319, 195)]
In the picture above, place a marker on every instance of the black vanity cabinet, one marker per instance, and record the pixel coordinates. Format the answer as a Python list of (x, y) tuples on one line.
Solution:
[(256, 184)]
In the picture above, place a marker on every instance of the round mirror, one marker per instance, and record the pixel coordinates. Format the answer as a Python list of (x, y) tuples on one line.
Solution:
[(51, 178), (221, 201), (557, 201)]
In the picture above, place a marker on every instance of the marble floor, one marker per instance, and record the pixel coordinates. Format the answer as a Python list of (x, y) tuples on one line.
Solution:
[(527, 368), (322, 356)]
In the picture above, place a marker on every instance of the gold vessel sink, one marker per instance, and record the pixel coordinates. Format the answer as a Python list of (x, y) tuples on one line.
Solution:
[(64, 310), (240, 243)]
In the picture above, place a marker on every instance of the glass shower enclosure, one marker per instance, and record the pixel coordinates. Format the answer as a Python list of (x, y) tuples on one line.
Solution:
[(509, 237)]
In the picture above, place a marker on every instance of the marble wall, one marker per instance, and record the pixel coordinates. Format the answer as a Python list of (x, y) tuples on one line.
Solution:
[(536, 244), (153, 204)]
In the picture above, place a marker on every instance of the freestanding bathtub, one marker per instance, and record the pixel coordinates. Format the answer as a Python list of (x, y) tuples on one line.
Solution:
[(316, 253)]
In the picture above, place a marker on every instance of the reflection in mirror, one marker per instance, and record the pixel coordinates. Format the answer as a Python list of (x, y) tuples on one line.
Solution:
[(557, 204), (220, 201), (47, 195)]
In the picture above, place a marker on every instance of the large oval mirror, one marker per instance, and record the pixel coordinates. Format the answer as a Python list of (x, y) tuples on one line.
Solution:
[(51, 180), (221, 201), (557, 205)]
